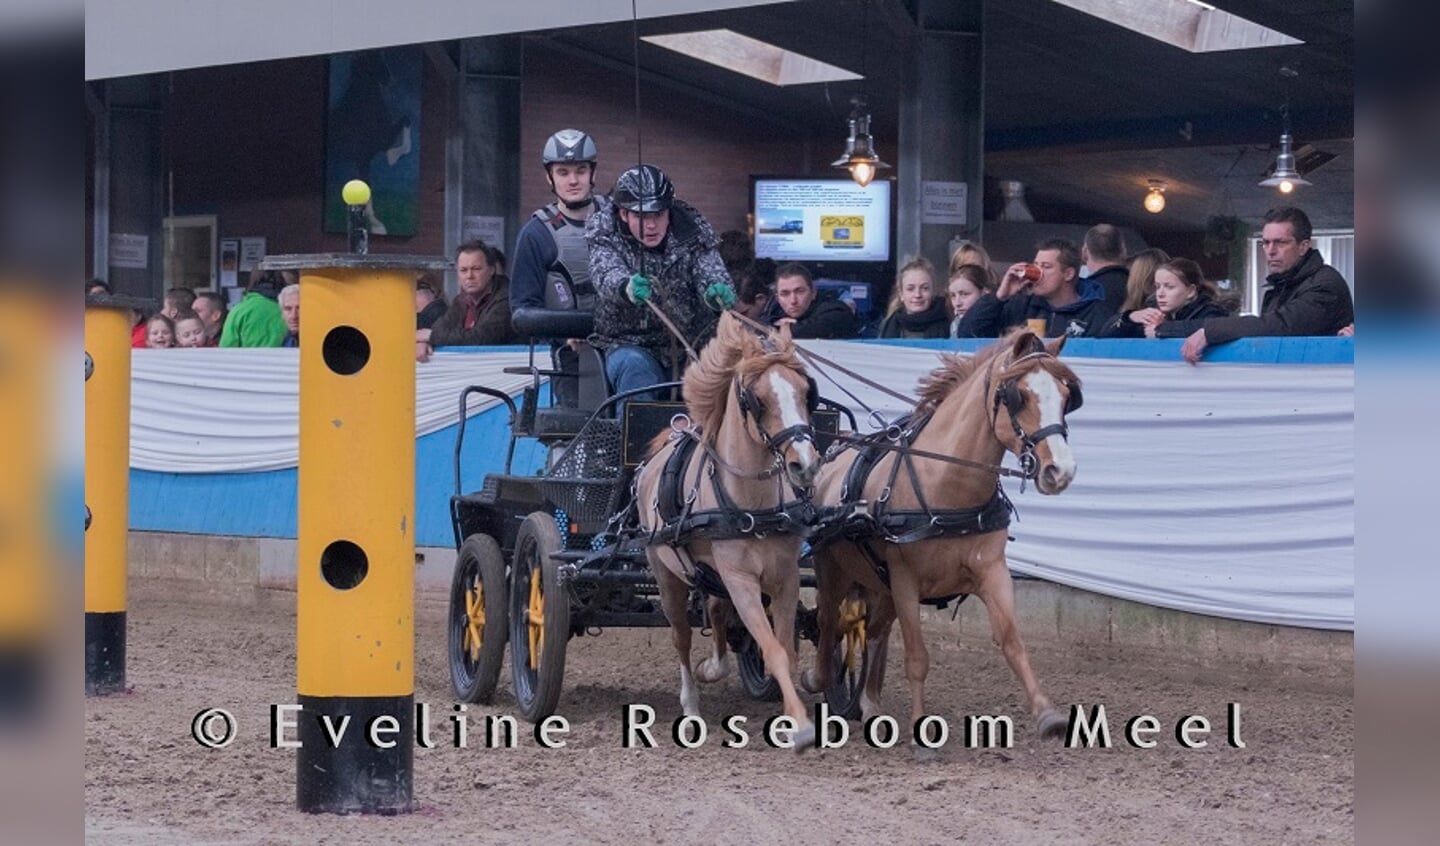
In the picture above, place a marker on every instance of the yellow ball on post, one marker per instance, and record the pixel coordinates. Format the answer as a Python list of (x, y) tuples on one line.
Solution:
[(355, 193)]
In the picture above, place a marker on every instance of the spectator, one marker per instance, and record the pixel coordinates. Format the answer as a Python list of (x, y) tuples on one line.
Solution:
[(210, 306), (1306, 296), (98, 287), (737, 252), (159, 332), (644, 245), (480, 314), (1104, 256), (189, 330), (290, 312), (809, 316), (1139, 292), (754, 298), (256, 321), (968, 283), (1181, 293), (915, 311), (429, 305), (1066, 304), (1347, 331), (176, 301), (970, 253)]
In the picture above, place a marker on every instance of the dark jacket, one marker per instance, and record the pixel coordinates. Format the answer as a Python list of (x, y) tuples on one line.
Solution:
[(1121, 326), (427, 317), (933, 322), (492, 322), (825, 318), (1309, 299), (990, 317), (1113, 279), (686, 263)]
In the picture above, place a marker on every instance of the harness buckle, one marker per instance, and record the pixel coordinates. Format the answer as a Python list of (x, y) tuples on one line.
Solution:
[(884, 495), (747, 529), (681, 423)]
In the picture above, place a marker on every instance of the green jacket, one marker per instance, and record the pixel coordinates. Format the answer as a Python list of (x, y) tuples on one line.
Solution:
[(255, 322)]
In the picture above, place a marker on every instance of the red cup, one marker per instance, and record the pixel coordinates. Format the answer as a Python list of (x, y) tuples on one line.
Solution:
[(1031, 273)]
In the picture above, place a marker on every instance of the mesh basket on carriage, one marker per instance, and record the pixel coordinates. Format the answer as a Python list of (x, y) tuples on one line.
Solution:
[(587, 481)]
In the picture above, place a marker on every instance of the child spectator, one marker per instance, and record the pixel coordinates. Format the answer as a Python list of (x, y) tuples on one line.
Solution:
[(967, 283), (189, 330), (159, 332), (1181, 293)]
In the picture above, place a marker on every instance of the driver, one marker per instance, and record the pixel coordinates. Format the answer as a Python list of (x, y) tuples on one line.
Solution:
[(551, 265), (646, 247)]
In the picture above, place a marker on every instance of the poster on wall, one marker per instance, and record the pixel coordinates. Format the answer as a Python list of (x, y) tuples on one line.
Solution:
[(479, 227), (252, 250), (132, 251), (372, 132), (229, 262)]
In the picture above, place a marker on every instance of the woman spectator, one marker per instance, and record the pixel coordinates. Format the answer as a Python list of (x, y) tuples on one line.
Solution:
[(1181, 293), (915, 311), (1139, 292), (967, 283), (159, 333), (971, 253)]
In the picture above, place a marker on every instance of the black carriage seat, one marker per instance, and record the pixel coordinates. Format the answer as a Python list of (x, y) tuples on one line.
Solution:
[(577, 378)]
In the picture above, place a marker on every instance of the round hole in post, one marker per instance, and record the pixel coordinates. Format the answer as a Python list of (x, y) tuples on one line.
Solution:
[(346, 350), (89, 367), (344, 565)]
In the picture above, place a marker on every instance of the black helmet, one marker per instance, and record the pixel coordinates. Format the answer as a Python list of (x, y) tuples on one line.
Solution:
[(644, 188), (569, 145)]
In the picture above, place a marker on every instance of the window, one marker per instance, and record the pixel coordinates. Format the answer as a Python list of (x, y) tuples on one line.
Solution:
[(1336, 246)]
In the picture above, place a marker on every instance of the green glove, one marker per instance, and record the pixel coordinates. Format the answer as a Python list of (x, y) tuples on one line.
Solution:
[(638, 289), (720, 295)]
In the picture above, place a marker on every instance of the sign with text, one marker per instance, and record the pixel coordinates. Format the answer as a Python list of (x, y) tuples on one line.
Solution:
[(944, 202), (132, 251)]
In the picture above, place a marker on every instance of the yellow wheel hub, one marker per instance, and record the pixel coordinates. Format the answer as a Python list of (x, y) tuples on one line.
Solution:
[(852, 623), (474, 619), (536, 617)]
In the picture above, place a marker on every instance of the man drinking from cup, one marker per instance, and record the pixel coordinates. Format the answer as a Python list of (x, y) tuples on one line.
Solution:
[(1046, 295)]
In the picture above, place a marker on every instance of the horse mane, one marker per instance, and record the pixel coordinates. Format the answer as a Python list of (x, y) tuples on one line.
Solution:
[(954, 370), (735, 350)]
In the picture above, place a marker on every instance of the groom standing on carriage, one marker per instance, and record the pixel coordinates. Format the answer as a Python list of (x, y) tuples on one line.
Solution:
[(651, 254)]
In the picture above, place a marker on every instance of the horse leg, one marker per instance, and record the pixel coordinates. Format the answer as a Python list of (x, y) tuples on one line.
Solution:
[(675, 600), (829, 582), (905, 594), (877, 652), (745, 594), (717, 666), (998, 593)]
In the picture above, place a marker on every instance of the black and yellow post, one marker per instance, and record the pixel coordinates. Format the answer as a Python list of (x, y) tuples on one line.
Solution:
[(107, 487), (355, 574)]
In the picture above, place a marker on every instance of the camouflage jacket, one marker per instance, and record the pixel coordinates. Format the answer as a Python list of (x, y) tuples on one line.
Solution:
[(685, 265)]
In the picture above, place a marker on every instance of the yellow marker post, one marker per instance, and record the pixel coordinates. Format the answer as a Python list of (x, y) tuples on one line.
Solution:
[(107, 487), (355, 575)]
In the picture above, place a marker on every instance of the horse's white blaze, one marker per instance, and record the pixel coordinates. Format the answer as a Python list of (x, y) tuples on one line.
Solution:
[(1047, 393), (790, 415)]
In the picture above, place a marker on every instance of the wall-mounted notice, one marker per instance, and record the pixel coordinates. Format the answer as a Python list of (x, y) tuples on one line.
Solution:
[(132, 251), (229, 262), (491, 230), (944, 202), (252, 250)]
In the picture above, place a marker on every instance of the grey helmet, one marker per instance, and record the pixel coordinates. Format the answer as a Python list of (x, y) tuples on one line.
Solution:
[(644, 188), (569, 145)]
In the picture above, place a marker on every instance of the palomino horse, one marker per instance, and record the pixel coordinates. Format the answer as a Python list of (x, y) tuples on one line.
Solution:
[(714, 503), (922, 527)]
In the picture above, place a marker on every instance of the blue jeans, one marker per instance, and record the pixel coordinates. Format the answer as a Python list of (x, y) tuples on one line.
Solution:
[(632, 367)]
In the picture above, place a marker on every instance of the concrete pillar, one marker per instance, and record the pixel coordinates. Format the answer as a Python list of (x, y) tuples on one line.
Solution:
[(942, 130), (490, 117)]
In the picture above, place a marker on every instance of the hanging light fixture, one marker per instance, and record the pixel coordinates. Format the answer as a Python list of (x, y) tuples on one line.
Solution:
[(859, 156), (1155, 200), (1285, 175)]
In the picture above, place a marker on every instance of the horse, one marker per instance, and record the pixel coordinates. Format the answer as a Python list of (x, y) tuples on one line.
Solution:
[(928, 520), (725, 522)]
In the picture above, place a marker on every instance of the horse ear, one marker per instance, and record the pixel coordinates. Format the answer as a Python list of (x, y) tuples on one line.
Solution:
[(782, 333), (1054, 347), (1025, 344)]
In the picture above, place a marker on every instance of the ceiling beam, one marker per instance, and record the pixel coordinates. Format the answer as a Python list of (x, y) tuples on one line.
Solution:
[(1249, 127)]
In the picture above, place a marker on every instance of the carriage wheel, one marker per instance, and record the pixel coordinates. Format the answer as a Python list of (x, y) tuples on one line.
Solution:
[(479, 619), (850, 661), (539, 618), (757, 680)]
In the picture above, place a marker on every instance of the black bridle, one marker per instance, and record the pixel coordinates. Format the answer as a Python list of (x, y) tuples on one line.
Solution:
[(1008, 395), (752, 410)]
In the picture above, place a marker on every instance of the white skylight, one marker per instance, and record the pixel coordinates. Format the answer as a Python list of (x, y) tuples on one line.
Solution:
[(752, 57), (1188, 24)]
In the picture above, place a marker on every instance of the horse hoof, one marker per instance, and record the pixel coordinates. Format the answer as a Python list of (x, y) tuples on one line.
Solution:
[(803, 738), (925, 754), (1052, 723), (711, 671), (810, 681)]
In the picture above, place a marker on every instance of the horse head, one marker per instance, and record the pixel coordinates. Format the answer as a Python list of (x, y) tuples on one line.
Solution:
[(775, 398), (1033, 394)]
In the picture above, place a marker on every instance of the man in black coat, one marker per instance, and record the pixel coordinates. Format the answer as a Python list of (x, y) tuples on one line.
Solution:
[(1306, 296), (1104, 255), (808, 315)]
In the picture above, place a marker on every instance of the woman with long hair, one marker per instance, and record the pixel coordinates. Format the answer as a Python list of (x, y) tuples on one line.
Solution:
[(915, 311), (1181, 293), (968, 283)]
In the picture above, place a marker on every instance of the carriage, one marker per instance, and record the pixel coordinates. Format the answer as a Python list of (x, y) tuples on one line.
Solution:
[(544, 558)]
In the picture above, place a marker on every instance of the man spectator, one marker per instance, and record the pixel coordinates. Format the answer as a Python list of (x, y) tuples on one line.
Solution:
[(429, 305), (1065, 303), (808, 315), (646, 246), (552, 261), (480, 314), (256, 320), (176, 301), (290, 311), (1305, 296), (1104, 255), (210, 306)]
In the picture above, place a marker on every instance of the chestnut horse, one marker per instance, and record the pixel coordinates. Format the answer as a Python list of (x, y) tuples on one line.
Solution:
[(739, 517), (940, 530)]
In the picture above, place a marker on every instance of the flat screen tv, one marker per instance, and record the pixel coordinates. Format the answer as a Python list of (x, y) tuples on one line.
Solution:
[(823, 220)]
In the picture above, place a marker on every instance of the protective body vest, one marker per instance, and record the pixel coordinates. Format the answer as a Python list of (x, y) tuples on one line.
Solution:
[(567, 280)]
